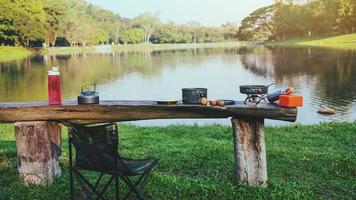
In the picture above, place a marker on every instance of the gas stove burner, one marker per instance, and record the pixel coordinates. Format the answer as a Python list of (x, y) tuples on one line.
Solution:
[(255, 98), (255, 93)]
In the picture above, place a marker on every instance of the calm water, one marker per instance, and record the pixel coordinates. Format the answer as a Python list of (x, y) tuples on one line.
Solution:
[(324, 77)]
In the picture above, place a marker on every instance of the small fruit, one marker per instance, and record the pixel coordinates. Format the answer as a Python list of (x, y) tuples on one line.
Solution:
[(204, 101), (213, 103), (221, 103)]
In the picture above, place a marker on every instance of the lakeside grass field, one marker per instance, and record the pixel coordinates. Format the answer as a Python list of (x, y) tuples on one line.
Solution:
[(8, 53), (196, 162), (346, 42)]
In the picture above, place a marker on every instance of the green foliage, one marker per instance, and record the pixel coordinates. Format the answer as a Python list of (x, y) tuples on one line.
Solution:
[(148, 22), (132, 36), (258, 25), (304, 162), (21, 21), (287, 19), (347, 16), (77, 23)]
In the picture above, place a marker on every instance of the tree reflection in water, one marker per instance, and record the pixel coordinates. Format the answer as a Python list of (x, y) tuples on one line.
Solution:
[(329, 74), (322, 76)]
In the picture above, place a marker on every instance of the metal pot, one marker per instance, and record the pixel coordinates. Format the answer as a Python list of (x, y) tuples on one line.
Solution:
[(193, 95), (88, 96)]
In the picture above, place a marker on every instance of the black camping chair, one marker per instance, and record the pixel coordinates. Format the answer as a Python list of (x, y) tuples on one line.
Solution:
[(97, 150)]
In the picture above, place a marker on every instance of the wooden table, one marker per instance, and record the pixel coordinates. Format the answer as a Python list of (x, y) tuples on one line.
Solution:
[(38, 137)]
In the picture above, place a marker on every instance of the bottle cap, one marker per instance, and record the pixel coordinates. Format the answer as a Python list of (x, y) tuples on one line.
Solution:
[(54, 71)]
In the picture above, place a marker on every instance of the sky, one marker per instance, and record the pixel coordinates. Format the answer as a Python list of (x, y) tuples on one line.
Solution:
[(206, 12)]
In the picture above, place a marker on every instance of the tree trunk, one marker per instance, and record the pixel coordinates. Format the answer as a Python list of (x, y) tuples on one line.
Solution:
[(38, 146), (53, 42), (250, 151), (283, 36)]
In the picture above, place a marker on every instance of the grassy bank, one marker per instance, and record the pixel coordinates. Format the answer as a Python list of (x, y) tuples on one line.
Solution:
[(339, 42), (136, 47), (65, 50), (13, 53), (304, 162), (162, 47)]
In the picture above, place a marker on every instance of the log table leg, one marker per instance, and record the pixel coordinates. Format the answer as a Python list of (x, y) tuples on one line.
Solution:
[(38, 148), (250, 151)]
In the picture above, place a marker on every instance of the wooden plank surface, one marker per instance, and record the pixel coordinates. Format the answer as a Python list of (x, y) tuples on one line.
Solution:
[(109, 111)]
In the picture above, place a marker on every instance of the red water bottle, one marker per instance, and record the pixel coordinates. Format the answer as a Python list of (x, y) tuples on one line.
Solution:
[(54, 87)]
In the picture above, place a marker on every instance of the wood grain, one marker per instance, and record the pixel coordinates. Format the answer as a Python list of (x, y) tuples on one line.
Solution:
[(38, 146), (110, 111), (250, 151)]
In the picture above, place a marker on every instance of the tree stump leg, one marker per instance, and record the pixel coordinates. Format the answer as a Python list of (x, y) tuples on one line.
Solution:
[(38, 146), (250, 151)]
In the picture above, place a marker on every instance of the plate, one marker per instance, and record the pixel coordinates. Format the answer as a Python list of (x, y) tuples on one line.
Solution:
[(227, 102), (166, 102)]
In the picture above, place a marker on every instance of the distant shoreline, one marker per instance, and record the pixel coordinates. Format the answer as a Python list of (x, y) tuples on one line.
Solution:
[(11, 53), (137, 47), (344, 42)]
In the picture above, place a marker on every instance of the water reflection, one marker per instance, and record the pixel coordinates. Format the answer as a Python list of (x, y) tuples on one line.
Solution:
[(26, 80), (325, 76), (322, 76)]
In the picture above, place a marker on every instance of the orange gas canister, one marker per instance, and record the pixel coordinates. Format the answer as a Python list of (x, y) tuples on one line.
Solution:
[(291, 101)]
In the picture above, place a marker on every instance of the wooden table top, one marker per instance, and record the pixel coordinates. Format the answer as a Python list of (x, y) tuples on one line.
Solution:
[(110, 111)]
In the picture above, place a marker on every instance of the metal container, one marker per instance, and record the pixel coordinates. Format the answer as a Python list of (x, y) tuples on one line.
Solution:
[(274, 96), (88, 96), (194, 95)]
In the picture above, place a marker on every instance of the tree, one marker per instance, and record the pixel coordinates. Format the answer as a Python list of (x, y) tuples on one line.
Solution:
[(230, 31), (347, 16), (148, 22), (7, 28), (259, 24), (108, 22), (132, 36), (56, 16), (288, 18), (23, 19)]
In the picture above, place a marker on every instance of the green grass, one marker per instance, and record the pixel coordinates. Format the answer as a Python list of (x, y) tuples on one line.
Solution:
[(304, 162), (13, 53), (338, 42), (65, 50), (162, 47)]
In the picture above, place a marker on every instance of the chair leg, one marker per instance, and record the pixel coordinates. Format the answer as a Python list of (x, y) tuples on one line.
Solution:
[(98, 181), (71, 171), (132, 187), (83, 186), (142, 187), (144, 182), (107, 185), (117, 194), (135, 185), (85, 182)]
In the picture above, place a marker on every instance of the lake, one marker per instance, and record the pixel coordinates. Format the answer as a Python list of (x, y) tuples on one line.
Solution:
[(325, 77)]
